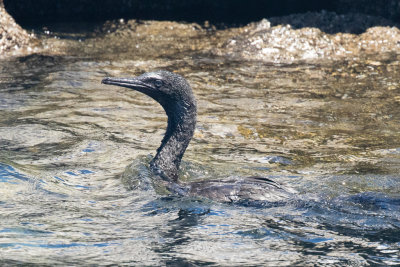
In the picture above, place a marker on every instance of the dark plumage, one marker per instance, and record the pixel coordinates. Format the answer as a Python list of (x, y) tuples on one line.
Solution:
[(175, 95)]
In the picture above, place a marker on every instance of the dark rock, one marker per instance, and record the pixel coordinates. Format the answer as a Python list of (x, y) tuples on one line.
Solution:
[(221, 11), (226, 11), (389, 9)]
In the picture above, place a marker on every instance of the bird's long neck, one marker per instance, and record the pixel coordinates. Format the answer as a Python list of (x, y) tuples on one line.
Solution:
[(180, 130)]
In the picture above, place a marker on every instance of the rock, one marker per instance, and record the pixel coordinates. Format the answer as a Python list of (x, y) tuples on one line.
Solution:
[(283, 44), (280, 44), (331, 22), (13, 39), (389, 9)]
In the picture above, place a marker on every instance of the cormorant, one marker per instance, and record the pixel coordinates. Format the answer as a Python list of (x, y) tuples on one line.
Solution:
[(175, 95)]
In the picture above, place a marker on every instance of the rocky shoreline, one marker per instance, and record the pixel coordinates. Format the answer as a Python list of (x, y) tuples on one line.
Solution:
[(311, 36)]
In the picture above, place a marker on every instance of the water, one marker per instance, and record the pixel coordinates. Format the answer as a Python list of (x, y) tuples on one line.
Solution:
[(69, 147)]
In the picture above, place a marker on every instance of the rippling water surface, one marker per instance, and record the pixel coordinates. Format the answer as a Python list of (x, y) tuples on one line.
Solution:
[(71, 148)]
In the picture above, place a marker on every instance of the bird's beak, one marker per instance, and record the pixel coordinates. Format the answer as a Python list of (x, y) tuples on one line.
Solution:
[(132, 83)]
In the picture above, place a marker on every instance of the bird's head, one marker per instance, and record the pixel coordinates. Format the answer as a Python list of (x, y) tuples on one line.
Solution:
[(169, 89)]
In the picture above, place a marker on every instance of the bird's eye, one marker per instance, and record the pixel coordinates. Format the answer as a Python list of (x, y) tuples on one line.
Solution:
[(158, 83)]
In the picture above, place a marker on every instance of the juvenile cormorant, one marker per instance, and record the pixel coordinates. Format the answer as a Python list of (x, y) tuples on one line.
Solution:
[(175, 95)]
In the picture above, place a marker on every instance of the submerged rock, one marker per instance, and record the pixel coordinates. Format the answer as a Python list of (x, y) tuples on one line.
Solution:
[(134, 39), (12, 37)]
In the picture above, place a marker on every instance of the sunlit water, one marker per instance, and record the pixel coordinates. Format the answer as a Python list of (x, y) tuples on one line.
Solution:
[(71, 149)]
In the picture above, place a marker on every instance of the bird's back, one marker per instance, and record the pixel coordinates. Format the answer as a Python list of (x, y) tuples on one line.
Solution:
[(238, 189)]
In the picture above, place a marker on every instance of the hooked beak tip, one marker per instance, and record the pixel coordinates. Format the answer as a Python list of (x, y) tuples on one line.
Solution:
[(105, 80)]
